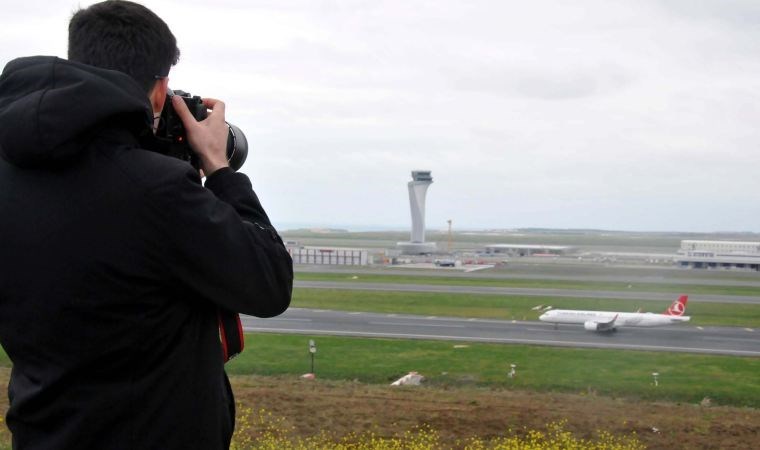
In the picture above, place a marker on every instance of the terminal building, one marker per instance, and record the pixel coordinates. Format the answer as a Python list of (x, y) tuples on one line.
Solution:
[(528, 250), (719, 255)]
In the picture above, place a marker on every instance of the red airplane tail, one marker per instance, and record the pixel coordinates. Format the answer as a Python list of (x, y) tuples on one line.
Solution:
[(678, 307)]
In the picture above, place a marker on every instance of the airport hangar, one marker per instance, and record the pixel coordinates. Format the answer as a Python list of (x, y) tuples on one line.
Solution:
[(724, 255)]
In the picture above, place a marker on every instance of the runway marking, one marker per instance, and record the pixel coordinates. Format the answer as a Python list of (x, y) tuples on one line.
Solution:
[(554, 331), (274, 319), (509, 341), (355, 313), (749, 329), (730, 339), (410, 324)]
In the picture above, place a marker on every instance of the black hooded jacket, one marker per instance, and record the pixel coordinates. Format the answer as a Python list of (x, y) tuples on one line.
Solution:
[(113, 262)]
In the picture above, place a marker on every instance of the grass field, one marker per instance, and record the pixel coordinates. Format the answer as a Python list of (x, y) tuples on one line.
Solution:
[(468, 396), (683, 377), (285, 412), (683, 287), (687, 378), (508, 307)]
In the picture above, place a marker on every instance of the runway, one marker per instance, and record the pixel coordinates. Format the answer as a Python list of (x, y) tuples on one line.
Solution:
[(707, 340), (542, 292), (440, 272)]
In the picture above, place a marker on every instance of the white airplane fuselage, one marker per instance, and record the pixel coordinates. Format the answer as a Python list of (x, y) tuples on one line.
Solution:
[(621, 319)]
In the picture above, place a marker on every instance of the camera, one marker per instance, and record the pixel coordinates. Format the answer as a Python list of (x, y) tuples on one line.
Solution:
[(171, 135)]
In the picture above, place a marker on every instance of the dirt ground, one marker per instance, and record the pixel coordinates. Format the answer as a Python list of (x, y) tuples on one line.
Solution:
[(458, 413), (309, 407)]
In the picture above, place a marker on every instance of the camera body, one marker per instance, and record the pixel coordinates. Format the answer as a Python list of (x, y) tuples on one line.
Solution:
[(172, 136)]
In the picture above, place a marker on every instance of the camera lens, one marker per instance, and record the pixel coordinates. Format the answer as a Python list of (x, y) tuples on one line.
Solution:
[(237, 147)]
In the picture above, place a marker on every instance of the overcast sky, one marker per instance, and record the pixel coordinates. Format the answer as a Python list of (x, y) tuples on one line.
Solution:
[(627, 115)]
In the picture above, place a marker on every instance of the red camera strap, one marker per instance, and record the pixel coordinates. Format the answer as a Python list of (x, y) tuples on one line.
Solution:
[(231, 334)]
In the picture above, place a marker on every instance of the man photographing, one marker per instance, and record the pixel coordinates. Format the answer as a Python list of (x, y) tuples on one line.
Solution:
[(116, 260)]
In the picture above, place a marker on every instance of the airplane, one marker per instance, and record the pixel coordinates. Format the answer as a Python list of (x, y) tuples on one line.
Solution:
[(611, 321)]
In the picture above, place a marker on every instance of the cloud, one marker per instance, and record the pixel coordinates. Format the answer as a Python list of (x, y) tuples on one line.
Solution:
[(743, 13), (594, 114), (544, 83)]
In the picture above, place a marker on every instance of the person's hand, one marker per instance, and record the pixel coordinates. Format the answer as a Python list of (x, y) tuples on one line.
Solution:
[(208, 138)]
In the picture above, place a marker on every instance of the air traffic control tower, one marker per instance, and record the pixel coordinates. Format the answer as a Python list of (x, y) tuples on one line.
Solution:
[(421, 180)]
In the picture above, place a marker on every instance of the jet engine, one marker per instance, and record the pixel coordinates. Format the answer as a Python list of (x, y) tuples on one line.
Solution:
[(599, 326), (591, 325)]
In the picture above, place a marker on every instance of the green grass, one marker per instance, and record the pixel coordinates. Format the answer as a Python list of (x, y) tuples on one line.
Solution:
[(683, 377), (508, 307), (677, 288)]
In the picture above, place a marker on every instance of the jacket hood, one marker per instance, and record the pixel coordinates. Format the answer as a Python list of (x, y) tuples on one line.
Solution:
[(48, 106)]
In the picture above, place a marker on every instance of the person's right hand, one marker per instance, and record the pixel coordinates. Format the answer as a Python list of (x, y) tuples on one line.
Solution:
[(208, 138)]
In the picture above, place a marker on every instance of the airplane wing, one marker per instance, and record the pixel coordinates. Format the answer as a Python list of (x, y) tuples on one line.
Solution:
[(601, 326)]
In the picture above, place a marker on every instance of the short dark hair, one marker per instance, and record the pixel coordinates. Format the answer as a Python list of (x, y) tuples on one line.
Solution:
[(123, 36)]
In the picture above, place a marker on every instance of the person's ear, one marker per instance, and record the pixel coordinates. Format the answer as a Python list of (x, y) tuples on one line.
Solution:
[(157, 95)]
